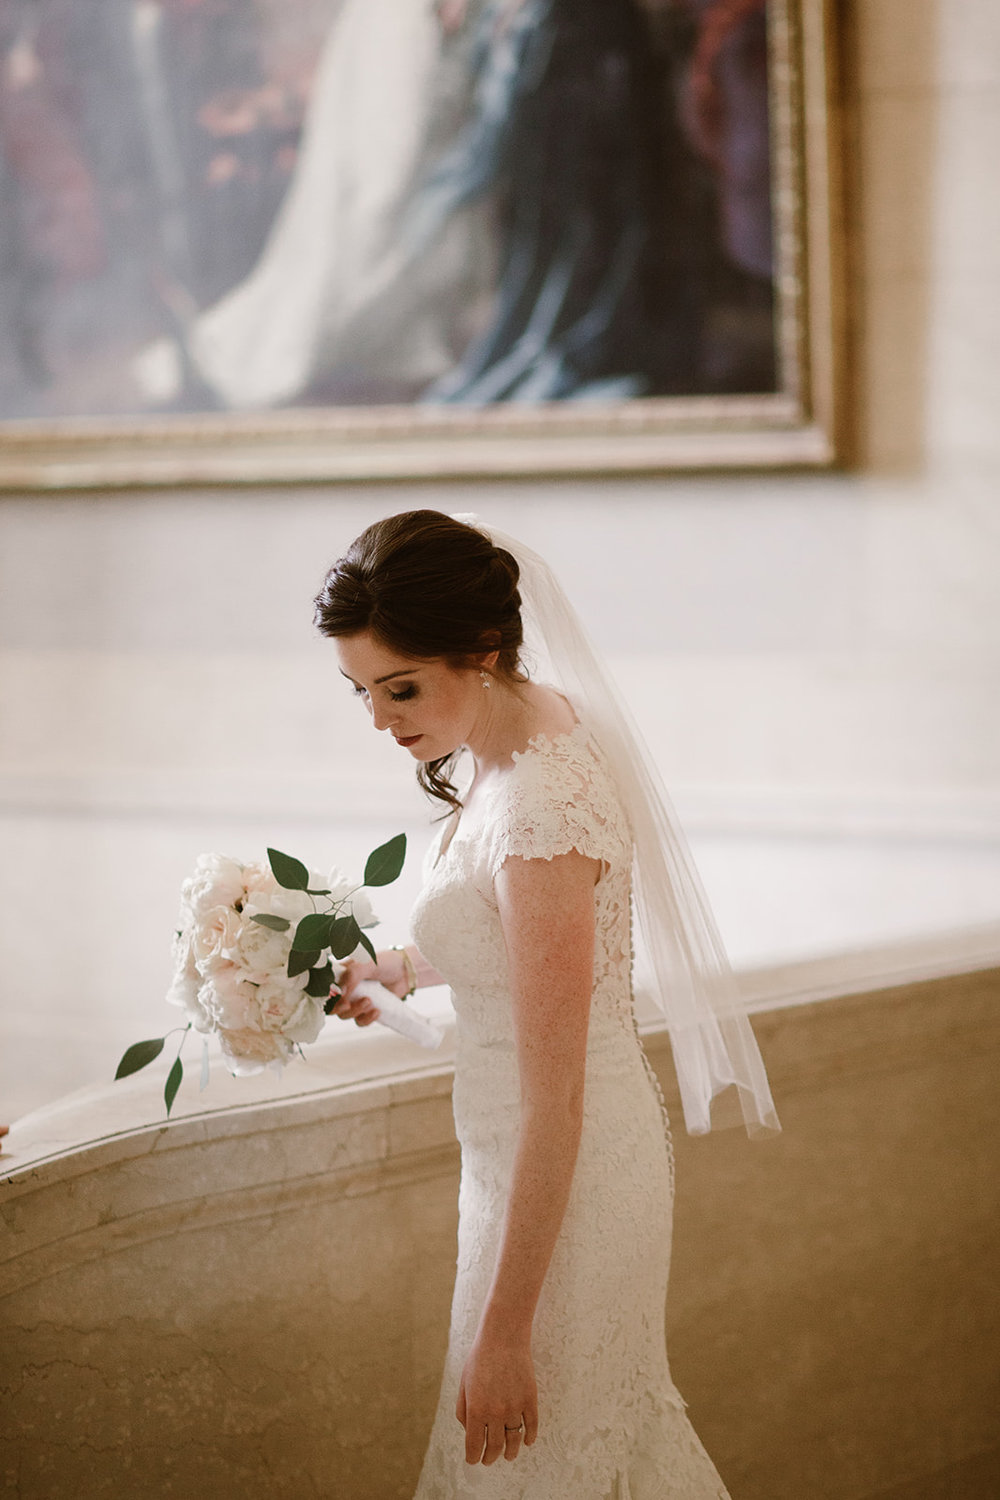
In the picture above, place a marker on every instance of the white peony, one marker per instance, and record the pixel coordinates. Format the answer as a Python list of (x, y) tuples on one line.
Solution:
[(289, 1011), (228, 998), (217, 881), (186, 982), (261, 952), (248, 1051), (279, 903), (214, 935), (306, 1021), (258, 879)]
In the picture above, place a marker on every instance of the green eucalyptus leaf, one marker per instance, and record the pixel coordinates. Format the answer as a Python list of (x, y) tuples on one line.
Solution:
[(312, 932), (288, 872), (276, 924), (173, 1083), (367, 944), (345, 935), (320, 981), (298, 962), (138, 1055), (385, 862)]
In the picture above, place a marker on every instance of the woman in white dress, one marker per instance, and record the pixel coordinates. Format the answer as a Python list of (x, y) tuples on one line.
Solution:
[(556, 1360)]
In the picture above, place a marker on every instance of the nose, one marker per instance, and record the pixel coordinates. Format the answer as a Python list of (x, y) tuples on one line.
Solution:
[(382, 715)]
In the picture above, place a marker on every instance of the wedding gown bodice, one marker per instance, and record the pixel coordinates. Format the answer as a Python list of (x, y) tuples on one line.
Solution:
[(556, 798)]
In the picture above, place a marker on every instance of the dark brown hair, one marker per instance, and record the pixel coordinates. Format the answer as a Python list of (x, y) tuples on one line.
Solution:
[(430, 588)]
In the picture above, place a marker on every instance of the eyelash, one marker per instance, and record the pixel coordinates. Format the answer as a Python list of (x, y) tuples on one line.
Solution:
[(408, 692)]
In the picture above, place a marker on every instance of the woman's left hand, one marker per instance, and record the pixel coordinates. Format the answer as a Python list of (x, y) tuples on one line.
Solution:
[(497, 1398)]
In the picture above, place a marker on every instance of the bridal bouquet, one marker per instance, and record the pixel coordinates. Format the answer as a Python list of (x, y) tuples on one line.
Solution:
[(258, 952)]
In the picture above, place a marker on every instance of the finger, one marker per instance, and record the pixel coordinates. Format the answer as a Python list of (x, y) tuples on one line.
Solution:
[(530, 1420), (495, 1437), (348, 1009), (344, 1012), (460, 1404), (364, 1012), (348, 982), (475, 1440), (512, 1439)]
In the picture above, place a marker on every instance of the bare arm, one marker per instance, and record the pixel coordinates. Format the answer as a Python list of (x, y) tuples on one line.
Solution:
[(547, 913)]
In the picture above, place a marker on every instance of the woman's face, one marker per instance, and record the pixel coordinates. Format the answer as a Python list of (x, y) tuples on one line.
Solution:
[(429, 707)]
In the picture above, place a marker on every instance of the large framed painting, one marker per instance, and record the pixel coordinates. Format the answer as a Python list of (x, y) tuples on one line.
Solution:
[(248, 241)]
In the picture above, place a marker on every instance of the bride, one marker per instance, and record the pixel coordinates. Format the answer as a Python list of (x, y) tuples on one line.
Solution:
[(556, 1359)]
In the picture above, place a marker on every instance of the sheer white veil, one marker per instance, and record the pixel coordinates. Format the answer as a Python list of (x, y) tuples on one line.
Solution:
[(714, 1047)]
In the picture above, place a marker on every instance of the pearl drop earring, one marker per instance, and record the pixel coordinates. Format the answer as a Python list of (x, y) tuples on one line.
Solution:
[(483, 678)]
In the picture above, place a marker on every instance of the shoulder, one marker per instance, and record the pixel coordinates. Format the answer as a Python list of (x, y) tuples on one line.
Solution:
[(558, 796)]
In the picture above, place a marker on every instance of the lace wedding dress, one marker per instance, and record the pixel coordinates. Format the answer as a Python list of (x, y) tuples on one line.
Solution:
[(612, 1426)]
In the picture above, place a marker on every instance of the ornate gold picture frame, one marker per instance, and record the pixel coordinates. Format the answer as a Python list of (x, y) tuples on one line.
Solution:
[(66, 421)]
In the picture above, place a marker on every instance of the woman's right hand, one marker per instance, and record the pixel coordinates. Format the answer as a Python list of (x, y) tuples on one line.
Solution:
[(389, 971), (351, 1006)]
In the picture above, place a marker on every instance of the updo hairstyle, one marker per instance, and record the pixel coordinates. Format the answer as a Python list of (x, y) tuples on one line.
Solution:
[(431, 588)]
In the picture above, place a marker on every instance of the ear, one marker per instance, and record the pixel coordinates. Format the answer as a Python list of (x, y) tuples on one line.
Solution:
[(489, 660)]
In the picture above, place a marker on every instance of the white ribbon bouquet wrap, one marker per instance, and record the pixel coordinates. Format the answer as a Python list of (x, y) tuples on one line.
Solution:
[(258, 951)]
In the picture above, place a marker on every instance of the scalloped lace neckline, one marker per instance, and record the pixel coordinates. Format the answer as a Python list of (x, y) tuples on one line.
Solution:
[(544, 741), (539, 744)]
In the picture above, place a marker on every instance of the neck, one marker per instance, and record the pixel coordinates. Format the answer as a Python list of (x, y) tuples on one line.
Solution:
[(505, 724)]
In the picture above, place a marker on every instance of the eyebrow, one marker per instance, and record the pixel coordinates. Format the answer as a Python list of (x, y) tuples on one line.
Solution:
[(403, 672)]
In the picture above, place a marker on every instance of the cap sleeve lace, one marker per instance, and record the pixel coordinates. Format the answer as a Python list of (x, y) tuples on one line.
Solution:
[(559, 798)]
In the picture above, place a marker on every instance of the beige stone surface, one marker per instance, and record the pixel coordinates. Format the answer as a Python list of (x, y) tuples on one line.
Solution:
[(834, 1317), (252, 1300)]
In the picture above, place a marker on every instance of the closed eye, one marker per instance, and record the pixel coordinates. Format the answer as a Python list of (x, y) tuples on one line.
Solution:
[(410, 691)]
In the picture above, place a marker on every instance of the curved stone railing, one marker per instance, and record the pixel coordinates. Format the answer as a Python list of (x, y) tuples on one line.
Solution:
[(252, 1299)]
